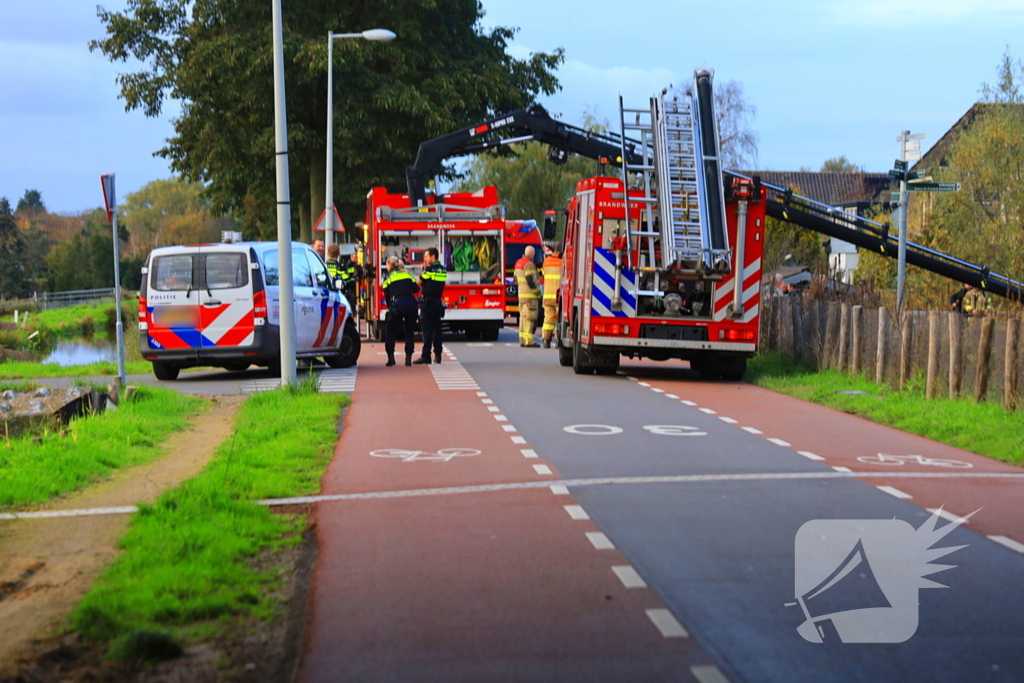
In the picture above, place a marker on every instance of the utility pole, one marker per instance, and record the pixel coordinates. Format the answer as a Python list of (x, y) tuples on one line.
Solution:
[(910, 150)]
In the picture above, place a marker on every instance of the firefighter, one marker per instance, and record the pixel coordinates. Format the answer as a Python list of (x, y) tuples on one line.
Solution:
[(399, 290), (975, 302), (552, 282), (349, 270), (432, 283), (529, 293)]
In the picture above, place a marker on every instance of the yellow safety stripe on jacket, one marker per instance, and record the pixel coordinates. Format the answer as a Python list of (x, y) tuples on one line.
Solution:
[(332, 269), (552, 276), (525, 291), (435, 275), (395, 276)]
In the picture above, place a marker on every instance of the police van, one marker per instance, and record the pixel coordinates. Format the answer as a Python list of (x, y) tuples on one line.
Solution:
[(219, 305)]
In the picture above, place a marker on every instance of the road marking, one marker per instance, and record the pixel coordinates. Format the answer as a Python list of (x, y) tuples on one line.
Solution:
[(667, 624), (946, 515), (542, 469), (332, 381), (895, 492), (671, 396), (689, 403), (501, 418), (592, 430), (728, 420), (528, 453), (488, 402), (508, 428), (443, 455), (599, 541), (576, 512), (481, 393), (453, 377), (493, 409), (708, 674), (518, 439), (485, 488), (708, 411), (643, 384), (632, 379), (752, 430), (810, 456), (629, 576), (655, 389), (560, 490), (1008, 542), (837, 468), (780, 442)]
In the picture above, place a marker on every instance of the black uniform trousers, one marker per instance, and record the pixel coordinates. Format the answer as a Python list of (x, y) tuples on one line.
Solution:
[(402, 315), (431, 312)]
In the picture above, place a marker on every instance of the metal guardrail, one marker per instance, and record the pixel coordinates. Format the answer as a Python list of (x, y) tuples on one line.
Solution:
[(47, 300)]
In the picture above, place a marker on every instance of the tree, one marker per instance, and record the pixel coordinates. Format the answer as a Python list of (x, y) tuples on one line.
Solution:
[(1008, 88), (214, 57), (737, 143), (12, 249), (31, 203), (840, 164), (169, 211)]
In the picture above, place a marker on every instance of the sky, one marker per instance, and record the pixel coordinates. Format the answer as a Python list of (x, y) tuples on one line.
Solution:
[(827, 77)]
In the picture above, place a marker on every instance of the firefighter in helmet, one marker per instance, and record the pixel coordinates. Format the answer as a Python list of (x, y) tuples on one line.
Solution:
[(552, 282), (529, 292)]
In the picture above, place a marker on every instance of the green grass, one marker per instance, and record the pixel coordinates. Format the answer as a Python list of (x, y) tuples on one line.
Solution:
[(35, 469), (187, 567), (984, 428), (26, 370)]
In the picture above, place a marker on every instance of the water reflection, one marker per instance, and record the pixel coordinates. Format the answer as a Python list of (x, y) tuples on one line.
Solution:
[(82, 352)]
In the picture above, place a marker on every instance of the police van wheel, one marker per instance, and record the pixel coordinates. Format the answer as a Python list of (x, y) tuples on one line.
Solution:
[(349, 350), (165, 371)]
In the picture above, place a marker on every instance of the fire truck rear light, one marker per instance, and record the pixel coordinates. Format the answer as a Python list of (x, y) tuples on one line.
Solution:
[(491, 292), (736, 335), (611, 329)]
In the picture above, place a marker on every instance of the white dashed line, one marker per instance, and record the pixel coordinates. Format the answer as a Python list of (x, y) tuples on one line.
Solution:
[(599, 541), (560, 490), (667, 624), (671, 396), (501, 418), (628, 576), (643, 384), (1008, 542), (656, 390), (508, 428), (780, 442), (481, 393), (895, 492), (487, 402), (708, 674), (752, 430), (810, 456), (493, 409), (945, 514), (528, 453), (631, 379), (708, 411), (542, 469), (728, 420), (841, 469), (577, 512), (518, 439), (689, 403)]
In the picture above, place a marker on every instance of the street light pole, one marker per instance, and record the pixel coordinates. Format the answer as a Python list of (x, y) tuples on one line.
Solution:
[(286, 289), (378, 34)]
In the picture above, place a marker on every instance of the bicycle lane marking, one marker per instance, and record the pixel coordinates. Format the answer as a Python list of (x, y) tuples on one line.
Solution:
[(445, 585), (839, 441)]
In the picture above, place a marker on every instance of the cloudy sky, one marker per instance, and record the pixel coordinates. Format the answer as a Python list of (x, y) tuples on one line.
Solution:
[(828, 77)]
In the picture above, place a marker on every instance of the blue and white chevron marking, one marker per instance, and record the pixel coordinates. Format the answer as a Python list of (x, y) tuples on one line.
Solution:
[(604, 287)]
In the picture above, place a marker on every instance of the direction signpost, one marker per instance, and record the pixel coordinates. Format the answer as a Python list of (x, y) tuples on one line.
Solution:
[(934, 187), (110, 204)]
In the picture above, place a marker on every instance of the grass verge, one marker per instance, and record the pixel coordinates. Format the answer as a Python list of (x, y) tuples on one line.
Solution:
[(26, 370), (984, 428), (186, 570), (34, 469)]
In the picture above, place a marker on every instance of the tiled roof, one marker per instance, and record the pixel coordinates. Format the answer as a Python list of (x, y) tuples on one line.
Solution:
[(936, 157), (833, 189)]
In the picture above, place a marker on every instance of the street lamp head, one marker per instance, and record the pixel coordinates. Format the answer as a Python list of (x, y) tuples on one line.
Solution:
[(379, 34)]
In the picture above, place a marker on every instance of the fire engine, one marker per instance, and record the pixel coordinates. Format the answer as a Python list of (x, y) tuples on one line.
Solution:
[(671, 267), (467, 229), (518, 236)]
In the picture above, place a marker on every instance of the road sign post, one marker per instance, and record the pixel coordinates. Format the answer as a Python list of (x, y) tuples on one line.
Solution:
[(909, 151), (935, 187), (110, 203)]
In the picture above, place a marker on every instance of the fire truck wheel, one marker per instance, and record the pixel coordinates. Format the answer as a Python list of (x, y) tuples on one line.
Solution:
[(472, 333), (491, 334), (609, 367), (165, 371), (733, 369), (578, 365), (564, 354), (377, 329)]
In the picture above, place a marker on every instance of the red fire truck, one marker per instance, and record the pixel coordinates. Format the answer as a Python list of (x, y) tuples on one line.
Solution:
[(674, 272), (467, 229), (518, 236)]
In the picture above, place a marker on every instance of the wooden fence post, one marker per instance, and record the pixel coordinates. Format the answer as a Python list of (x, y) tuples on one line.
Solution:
[(883, 340), (906, 330), (844, 337), (933, 354), (799, 338), (984, 355), (828, 355), (1010, 365), (956, 362), (856, 350), (814, 336)]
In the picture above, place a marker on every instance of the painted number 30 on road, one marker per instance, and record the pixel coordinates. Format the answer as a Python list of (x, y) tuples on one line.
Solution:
[(608, 430)]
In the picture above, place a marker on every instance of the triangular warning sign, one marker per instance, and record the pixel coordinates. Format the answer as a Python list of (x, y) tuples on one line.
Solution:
[(339, 225)]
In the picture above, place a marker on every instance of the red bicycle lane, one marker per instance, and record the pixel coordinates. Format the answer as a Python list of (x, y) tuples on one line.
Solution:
[(848, 443), (508, 584)]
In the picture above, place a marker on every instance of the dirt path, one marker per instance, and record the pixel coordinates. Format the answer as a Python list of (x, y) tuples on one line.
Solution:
[(47, 565)]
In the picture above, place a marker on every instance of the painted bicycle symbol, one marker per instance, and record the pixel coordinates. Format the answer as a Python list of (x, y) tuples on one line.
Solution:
[(443, 455), (900, 460)]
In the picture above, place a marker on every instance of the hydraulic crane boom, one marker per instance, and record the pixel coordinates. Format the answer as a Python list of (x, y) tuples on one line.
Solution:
[(868, 234), (522, 125)]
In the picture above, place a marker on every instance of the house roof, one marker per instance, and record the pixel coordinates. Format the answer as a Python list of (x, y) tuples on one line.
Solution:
[(833, 189), (937, 156)]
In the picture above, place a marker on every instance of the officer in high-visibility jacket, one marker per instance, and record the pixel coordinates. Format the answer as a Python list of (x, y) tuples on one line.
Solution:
[(552, 282), (399, 291), (432, 282), (333, 261), (529, 292)]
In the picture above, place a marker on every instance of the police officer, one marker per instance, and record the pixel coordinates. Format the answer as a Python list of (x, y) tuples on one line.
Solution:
[(552, 282), (529, 293), (399, 292), (432, 283), (332, 262)]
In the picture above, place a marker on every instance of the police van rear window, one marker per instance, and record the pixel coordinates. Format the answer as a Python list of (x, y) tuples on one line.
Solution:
[(226, 271), (172, 273)]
